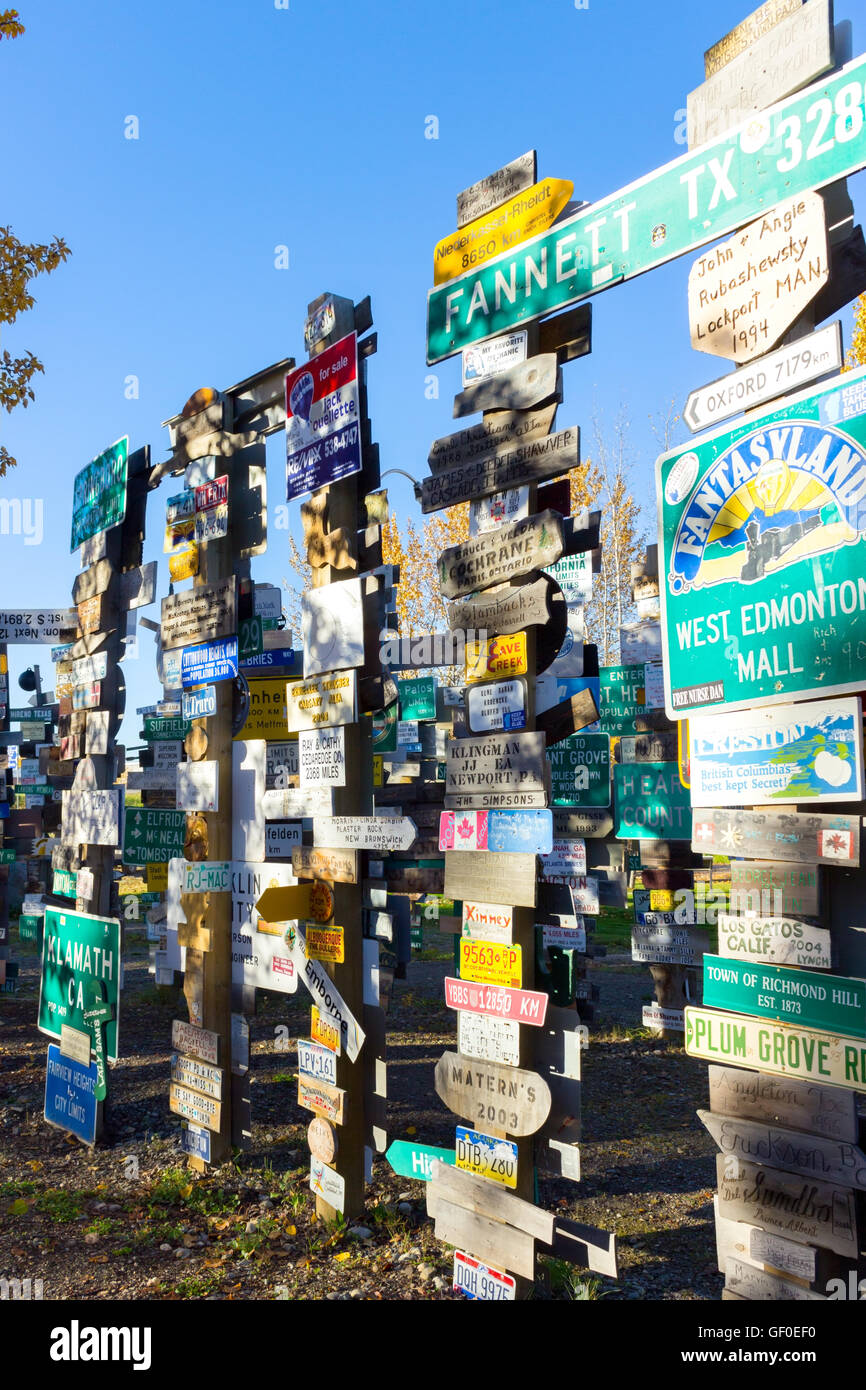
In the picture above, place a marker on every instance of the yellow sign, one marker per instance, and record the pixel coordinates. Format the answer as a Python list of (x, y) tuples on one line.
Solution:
[(184, 564), (178, 534), (157, 878), (498, 656), (268, 713), (487, 1157), (378, 770), (490, 963), (521, 217), (325, 943), (324, 1032), (662, 899), (133, 883)]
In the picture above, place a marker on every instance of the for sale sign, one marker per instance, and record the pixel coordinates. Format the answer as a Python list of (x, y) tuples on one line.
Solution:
[(323, 435)]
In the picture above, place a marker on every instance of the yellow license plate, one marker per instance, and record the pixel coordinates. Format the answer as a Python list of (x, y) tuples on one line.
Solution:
[(491, 963)]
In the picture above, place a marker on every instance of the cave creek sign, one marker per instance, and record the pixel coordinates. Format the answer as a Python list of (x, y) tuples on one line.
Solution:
[(783, 1049), (762, 536), (786, 753), (78, 948), (650, 802), (794, 146), (834, 1002)]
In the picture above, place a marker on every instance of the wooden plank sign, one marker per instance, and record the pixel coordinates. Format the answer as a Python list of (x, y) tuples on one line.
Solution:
[(474, 1193), (824, 1110), (496, 188), (511, 608), (333, 865), (200, 1109), (487, 1093), (787, 753), (521, 386), (500, 831), (740, 39), (811, 1155), (768, 889), (568, 717), (497, 770), (487, 921), (490, 1240), (501, 555), (782, 1048), (813, 1212), (195, 1042), (792, 837), (325, 1100), (512, 466), (199, 615), (485, 874), (498, 431)]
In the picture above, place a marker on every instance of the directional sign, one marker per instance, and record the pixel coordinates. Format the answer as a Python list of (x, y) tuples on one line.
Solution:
[(650, 802), (523, 216), (508, 1098), (787, 753), (286, 904), (833, 1002), (414, 1160), (99, 494), (793, 836), (381, 834), (327, 997), (78, 950), (783, 1048), (153, 836), (36, 624), (789, 149), (809, 1154), (777, 373), (210, 661)]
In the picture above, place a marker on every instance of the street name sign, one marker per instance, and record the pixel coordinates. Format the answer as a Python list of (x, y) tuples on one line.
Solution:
[(795, 837), (500, 555), (809, 140), (832, 1002), (99, 494), (785, 1049), (199, 704)]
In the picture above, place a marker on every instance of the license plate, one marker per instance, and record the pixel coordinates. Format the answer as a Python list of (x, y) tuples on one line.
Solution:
[(491, 963), (486, 1156), (481, 1281)]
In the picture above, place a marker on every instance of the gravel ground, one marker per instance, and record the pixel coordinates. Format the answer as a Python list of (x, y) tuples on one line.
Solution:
[(128, 1221)]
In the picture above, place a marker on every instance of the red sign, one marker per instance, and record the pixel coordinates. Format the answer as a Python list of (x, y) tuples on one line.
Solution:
[(211, 495), (499, 1001)]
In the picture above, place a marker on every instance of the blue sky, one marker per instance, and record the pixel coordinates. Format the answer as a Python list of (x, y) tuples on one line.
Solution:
[(261, 127)]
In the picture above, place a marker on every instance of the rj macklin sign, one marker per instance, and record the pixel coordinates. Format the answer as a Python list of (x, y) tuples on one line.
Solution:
[(763, 538)]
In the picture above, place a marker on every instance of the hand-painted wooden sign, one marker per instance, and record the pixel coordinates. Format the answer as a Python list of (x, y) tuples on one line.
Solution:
[(514, 832), (775, 941), (487, 875), (383, 834), (787, 753), (811, 1211), (321, 702), (520, 1005), (199, 615), (521, 386), (800, 1105), (765, 888), (580, 770), (782, 1048), (498, 431), (516, 219), (492, 706), (199, 1076), (509, 609), (322, 1099), (651, 803), (195, 1042), (511, 466), (488, 1039), (811, 1155), (832, 1002), (90, 817), (495, 771), (508, 1098), (322, 1140), (789, 836), (489, 962), (194, 1106), (500, 555), (739, 39), (333, 865), (568, 717)]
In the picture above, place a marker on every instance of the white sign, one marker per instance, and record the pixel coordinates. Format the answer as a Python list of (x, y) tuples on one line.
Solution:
[(322, 757), (569, 663), (488, 513), (88, 669), (296, 803), (326, 1183), (657, 1018), (488, 1039), (566, 861), (248, 790), (259, 959), (36, 624), (96, 732), (90, 818), (573, 574), (653, 685), (640, 642), (488, 922), (281, 837), (777, 374), (333, 627), (267, 602), (569, 937), (197, 786), (496, 355), (376, 833)]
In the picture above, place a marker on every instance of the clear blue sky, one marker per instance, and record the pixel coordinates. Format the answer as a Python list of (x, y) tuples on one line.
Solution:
[(262, 126)]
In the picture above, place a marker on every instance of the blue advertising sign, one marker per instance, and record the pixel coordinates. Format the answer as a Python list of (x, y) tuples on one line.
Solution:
[(70, 1095), (209, 661), (199, 704), (323, 429)]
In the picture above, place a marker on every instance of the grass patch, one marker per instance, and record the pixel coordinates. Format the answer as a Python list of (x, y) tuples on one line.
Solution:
[(59, 1205)]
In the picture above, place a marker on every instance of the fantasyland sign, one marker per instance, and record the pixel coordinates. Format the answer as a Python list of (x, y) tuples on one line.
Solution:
[(811, 139), (762, 550)]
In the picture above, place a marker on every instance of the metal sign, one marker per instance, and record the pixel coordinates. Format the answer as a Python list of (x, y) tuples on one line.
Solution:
[(414, 1160), (210, 661), (199, 704), (323, 701), (832, 1002), (501, 831), (495, 1159), (580, 770), (492, 706), (70, 1095), (99, 494), (786, 753), (323, 425), (36, 624), (200, 614), (497, 656), (785, 1049), (520, 1005), (650, 802), (152, 836), (521, 217), (78, 950), (477, 1280), (488, 1039), (417, 697), (794, 837)]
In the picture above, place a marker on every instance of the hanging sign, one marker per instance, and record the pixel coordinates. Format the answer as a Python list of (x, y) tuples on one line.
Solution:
[(323, 428)]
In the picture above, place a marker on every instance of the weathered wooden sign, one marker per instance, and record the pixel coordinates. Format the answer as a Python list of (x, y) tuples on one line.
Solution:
[(825, 1110), (496, 188), (493, 706), (785, 1049), (199, 615), (811, 1155), (322, 1139), (743, 1280), (814, 1212), (833, 1002), (512, 608), (514, 220), (328, 999), (765, 888), (326, 1101), (496, 656), (790, 836), (780, 60), (192, 1105), (739, 39), (322, 701), (333, 865), (521, 1005), (200, 1076), (487, 875), (583, 824), (195, 1042), (508, 1098), (90, 817), (786, 753), (523, 385), (513, 465), (499, 431), (568, 717), (775, 941), (500, 555), (496, 770), (383, 834)]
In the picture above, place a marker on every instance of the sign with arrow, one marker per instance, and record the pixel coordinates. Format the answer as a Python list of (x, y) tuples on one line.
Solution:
[(290, 902), (152, 836), (415, 1160)]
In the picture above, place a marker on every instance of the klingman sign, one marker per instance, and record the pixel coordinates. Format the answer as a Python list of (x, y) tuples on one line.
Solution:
[(762, 551)]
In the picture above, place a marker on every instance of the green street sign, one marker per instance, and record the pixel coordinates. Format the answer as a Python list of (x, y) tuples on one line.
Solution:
[(785, 1049), (417, 697), (96, 1013), (99, 494), (580, 770), (251, 640), (78, 950), (7, 855), (650, 802), (151, 836), (63, 883), (621, 691), (804, 142), (33, 789), (834, 1003), (28, 926), (763, 556), (157, 728), (414, 1160)]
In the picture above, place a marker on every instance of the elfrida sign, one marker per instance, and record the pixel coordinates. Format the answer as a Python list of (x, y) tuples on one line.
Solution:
[(511, 466), (500, 555), (792, 836), (677, 208), (775, 941), (506, 1097), (322, 702), (745, 294), (531, 211), (77, 950), (650, 802), (99, 494), (785, 753), (832, 1002), (761, 534), (786, 369), (323, 425), (152, 836), (785, 1049), (580, 770)]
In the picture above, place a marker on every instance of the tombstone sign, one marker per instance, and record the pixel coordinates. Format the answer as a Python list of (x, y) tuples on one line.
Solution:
[(787, 753), (99, 494), (650, 802), (501, 555), (77, 950), (833, 1002), (323, 423), (580, 770)]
